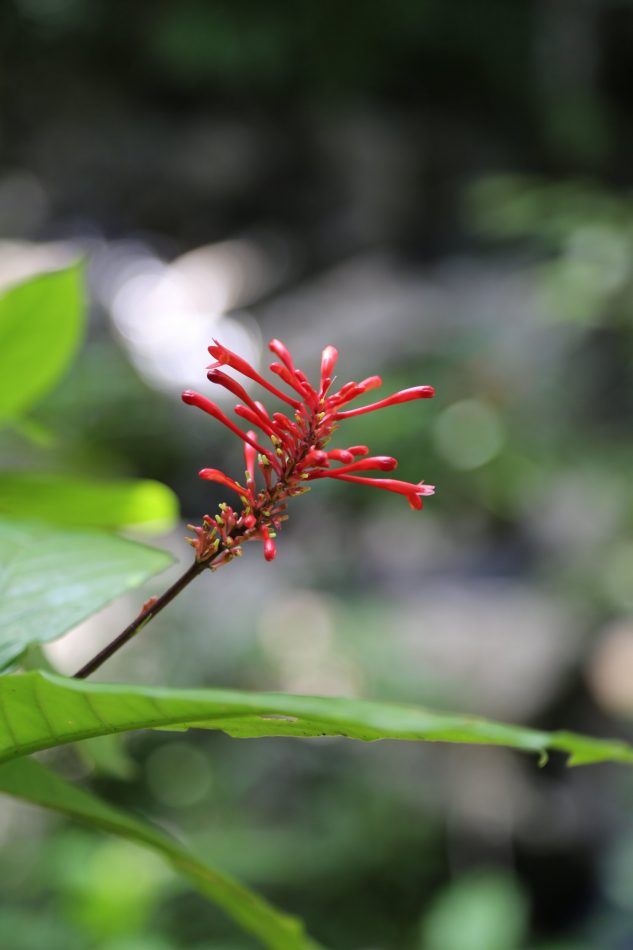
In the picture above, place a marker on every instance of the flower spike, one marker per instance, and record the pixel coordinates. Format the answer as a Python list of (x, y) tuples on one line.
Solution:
[(297, 455)]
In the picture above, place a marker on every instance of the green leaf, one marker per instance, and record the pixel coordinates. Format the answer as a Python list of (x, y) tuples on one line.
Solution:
[(41, 323), (39, 710), (80, 502), (32, 782), (52, 579)]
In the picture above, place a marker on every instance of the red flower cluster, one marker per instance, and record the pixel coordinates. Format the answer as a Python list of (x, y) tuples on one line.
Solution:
[(297, 452)]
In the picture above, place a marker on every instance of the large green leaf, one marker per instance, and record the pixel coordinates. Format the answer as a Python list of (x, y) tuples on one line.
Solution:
[(39, 710), (41, 323), (71, 501), (52, 579), (32, 782)]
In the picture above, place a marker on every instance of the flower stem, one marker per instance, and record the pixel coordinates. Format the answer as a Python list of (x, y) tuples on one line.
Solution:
[(148, 612)]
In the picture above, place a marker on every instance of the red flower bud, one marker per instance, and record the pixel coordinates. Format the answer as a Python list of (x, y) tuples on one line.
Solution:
[(214, 475), (281, 350), (270, 550), (329, 356), (317, 457), (341, 455)]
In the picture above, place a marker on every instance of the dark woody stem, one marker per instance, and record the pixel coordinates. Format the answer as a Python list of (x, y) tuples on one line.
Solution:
[(148, 612), (273, 501)]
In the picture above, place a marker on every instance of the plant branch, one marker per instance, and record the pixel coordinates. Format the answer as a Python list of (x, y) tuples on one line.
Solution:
[(149, 611)]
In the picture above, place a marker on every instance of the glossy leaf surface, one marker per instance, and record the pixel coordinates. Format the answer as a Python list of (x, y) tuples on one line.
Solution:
[(51, 579)]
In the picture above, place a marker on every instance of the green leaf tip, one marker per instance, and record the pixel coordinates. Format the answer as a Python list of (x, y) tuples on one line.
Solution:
[(583, 750)]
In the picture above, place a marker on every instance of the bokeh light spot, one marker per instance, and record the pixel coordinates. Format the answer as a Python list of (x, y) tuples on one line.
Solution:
[(468, 434), (178, 774), (610, 671)]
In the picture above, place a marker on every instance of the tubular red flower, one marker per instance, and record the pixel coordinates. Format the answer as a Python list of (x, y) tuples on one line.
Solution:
[(286, 424), (382, 463), (295, 381), (329, 356), (405, 395), (304, 379), (351, 391), (232, 385), (222, 379), (411, 490), (289, 373), (341, 455), (249, 458), (255, 419), (215, 475), (262, 410), (281, 350), (317, 457), (226, 357)]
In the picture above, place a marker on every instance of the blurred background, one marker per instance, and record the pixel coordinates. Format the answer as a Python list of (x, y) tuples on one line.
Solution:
[(443, 191)]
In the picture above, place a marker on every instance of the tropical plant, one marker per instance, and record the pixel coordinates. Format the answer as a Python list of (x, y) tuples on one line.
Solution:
[(62, 560)]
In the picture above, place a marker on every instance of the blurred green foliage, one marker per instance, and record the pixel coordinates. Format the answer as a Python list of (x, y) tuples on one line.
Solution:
[(41, 324), (580, 233)]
